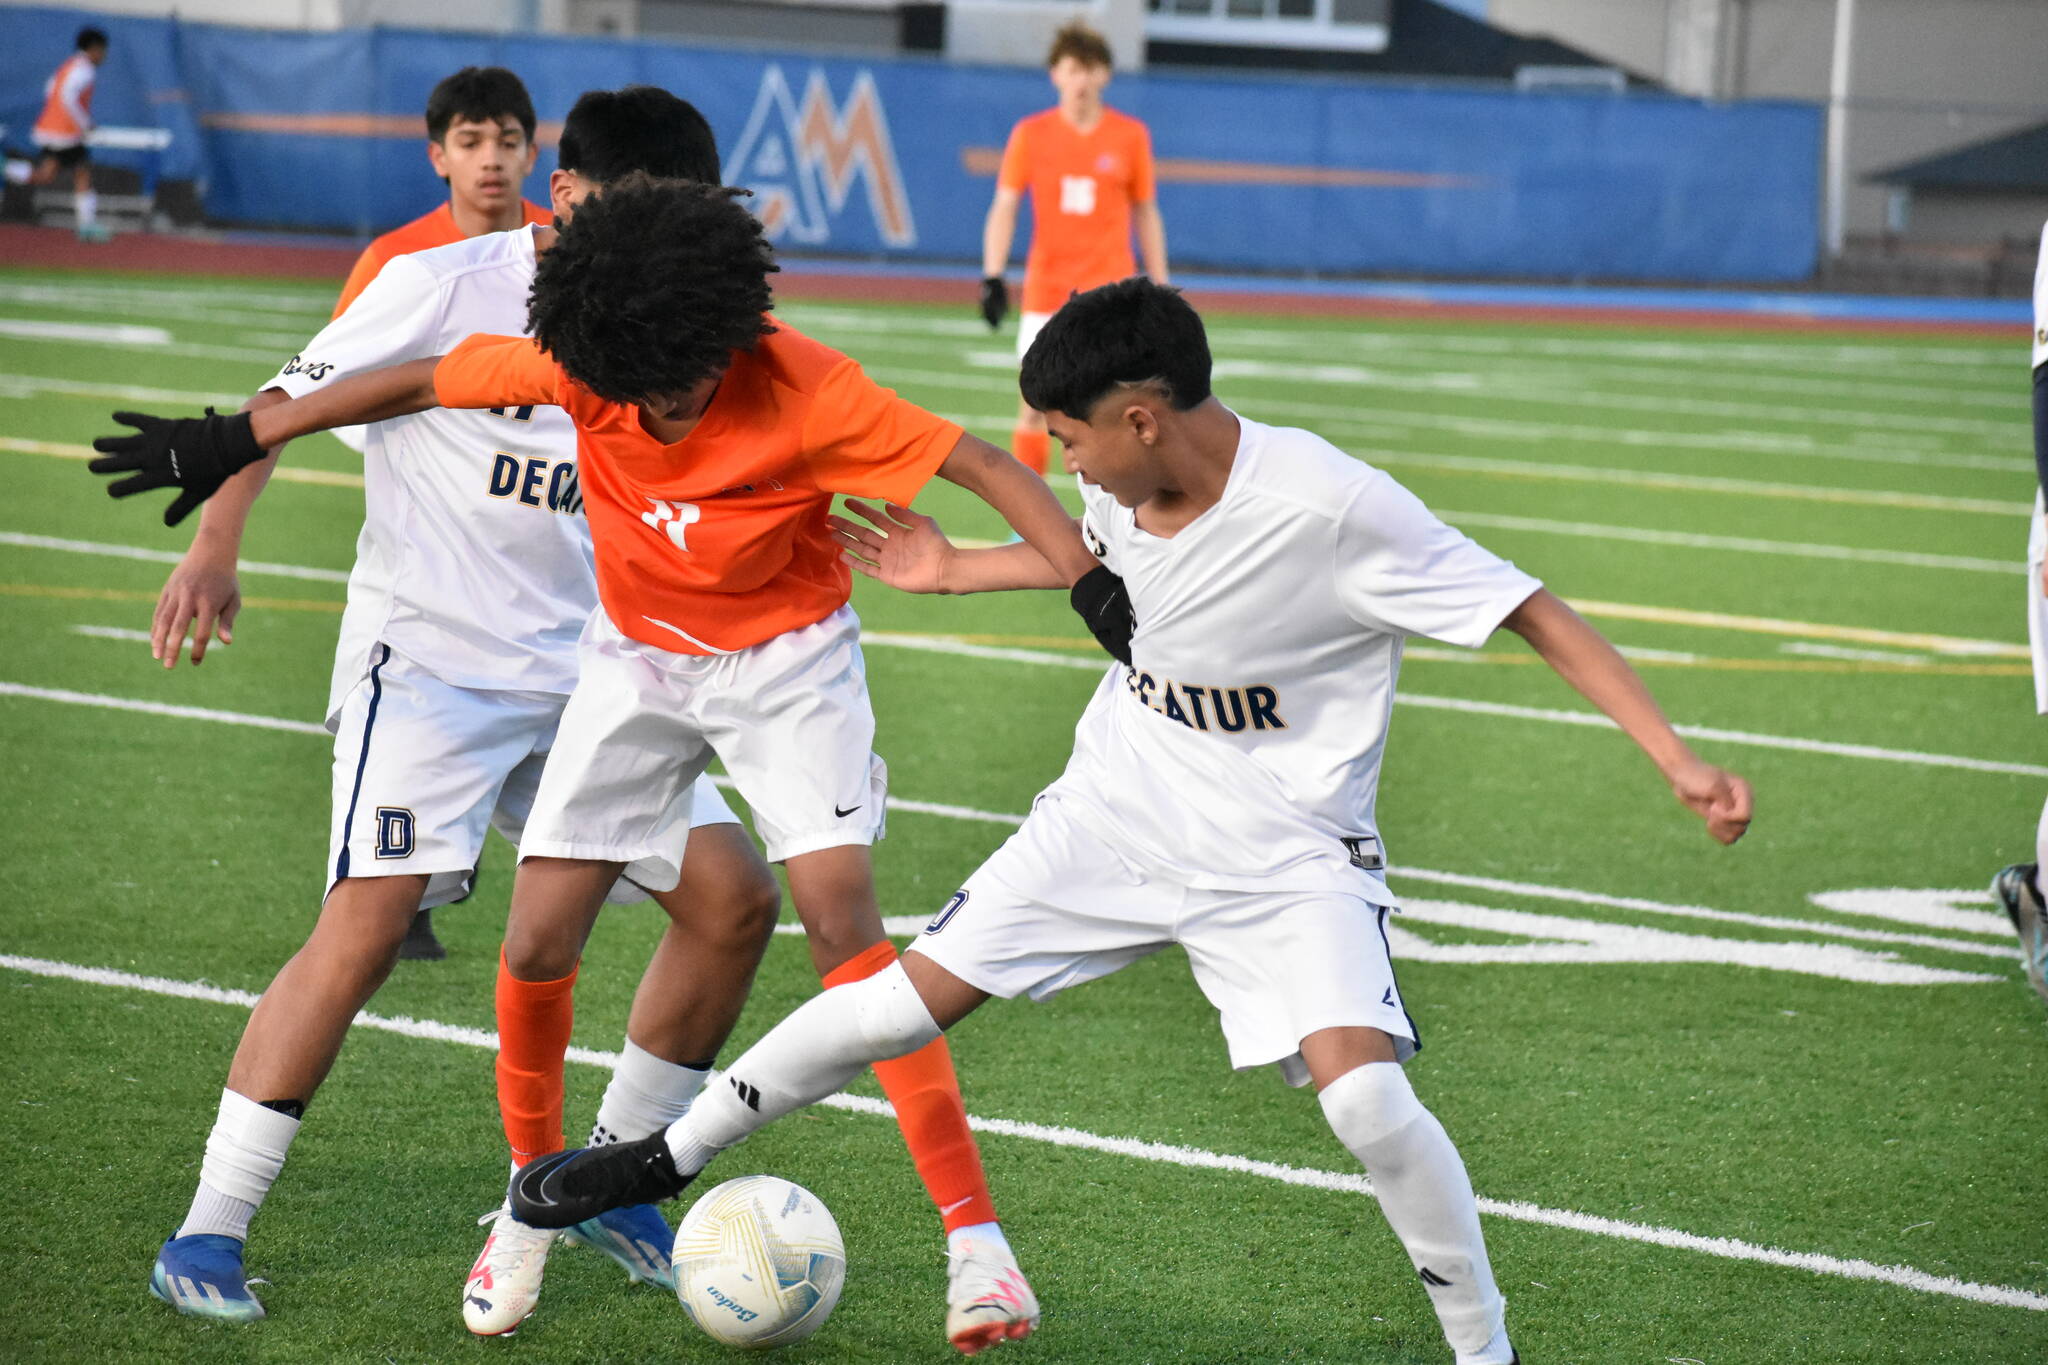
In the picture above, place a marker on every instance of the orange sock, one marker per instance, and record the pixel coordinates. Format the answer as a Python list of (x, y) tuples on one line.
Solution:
[(1033, 448), (534, 1019), (926, 1094)]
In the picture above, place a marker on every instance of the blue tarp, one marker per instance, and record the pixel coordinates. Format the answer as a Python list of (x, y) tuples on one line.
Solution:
[(893, 157)]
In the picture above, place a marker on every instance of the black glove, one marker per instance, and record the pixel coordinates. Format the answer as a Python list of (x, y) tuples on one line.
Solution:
[(1105, 607), (995, 301), (196, 454)]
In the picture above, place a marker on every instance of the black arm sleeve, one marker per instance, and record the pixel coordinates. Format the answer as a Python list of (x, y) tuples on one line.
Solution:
[(2041, 424)]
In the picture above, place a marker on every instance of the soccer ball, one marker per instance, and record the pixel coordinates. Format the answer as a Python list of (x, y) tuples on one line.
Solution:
[(759, 1262)]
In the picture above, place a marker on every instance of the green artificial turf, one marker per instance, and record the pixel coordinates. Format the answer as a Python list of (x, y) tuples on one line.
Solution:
[(1779, 1105)]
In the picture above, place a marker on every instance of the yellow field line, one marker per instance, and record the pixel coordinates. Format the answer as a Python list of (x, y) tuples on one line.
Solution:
[(1769, 625), (14, 445), (128, 595)]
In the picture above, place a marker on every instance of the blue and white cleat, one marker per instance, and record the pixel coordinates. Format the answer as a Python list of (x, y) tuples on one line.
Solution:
[(201, 1276), (2014, 888), (637, 1237)]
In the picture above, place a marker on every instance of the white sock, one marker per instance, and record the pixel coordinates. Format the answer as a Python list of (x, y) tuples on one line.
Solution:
[(986, 1234), (244, 1153), (646, 1095), (88, 208), (819, 1047), (1427, 1198), (2041, 855)]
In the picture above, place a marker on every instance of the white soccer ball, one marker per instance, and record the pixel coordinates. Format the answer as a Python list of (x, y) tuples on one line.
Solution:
[(759, 1262)]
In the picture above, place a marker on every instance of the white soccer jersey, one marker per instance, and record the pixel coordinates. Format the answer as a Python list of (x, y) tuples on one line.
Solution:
[(474, 559), (1244, 742)]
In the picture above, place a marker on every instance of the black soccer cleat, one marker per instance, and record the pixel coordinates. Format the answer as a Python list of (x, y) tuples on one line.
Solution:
[(419, 943), (567, 1188)]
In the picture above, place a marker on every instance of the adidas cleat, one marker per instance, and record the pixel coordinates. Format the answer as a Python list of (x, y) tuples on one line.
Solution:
[(2014, 888), (201, 1276), (636, 1237), (988, 1299), (504, 1284), (568, 1188)]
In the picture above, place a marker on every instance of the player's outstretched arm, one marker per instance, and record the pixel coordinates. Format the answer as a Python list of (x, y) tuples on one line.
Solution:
[(202, 596), (1021, 497), (908, 551), (1583, 657), (198, 455)]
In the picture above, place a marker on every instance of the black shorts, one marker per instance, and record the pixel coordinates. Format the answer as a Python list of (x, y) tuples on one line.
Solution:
[(68, 157)]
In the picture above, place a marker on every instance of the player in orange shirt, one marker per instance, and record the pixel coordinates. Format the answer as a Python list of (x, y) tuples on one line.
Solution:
[(62, 127), (480, 128), (1089, 171), (711, 440)]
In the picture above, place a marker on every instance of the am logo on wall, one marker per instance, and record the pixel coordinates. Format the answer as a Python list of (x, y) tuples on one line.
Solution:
[(802, 160)]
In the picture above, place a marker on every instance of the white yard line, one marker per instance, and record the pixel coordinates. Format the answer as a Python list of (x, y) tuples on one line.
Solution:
[(65, 450), (116, 333), (1870, 656), (1691, 483), (1737, 544), (1774, 625), (2003, 949), (158, 708), (22, 540), (124, 301), (1597, 721), (113, 633), (1137, 1149), (33, 385)]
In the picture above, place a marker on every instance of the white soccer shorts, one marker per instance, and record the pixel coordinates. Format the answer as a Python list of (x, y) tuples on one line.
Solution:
[(1029, 325), (422, 768), (2037, 605), (1056, 906), (788, 717)]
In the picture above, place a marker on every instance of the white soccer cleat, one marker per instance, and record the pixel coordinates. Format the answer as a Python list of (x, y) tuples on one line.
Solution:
[(988, 1300), (504, 1284)]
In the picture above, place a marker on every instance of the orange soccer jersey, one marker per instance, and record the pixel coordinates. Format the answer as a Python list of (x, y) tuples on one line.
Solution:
[(56, 125), (421, 234), (719, 541), (1082, 188)]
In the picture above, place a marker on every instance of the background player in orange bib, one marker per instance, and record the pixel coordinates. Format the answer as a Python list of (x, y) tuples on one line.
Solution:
[(480, 128), (64, 123), (1089, 171)]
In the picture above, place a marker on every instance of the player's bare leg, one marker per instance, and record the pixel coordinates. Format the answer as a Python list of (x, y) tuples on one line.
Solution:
[(287, 1049), (1419, 1179), (834, 892), (721, 915), (297, 1028)]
